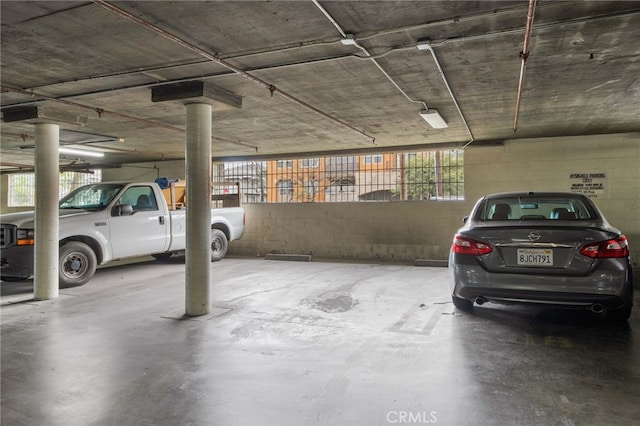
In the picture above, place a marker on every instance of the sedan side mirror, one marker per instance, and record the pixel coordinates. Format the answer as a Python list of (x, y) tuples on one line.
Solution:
[(122, 210), (465, 219)]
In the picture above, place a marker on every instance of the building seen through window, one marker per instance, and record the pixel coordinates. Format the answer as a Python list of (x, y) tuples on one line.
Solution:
[(407, 176)]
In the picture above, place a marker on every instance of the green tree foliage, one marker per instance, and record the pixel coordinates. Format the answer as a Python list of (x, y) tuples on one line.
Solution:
[(420, 177), (22, 186), (438, 174)]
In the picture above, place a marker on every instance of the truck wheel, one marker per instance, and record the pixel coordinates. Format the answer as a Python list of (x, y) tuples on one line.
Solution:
[(77, 264), (219, 245)]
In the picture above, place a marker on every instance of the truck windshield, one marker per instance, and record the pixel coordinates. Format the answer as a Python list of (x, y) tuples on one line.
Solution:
[(91, 197)]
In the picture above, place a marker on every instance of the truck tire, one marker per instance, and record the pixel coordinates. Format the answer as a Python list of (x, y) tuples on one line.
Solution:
[(13, 279), (77, 264), (219, 245), (163, 256)]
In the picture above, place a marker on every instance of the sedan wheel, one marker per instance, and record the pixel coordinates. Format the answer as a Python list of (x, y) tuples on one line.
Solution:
[(462, 304), (621, 314)]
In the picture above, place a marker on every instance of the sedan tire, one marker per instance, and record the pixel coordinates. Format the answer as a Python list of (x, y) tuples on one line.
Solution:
[(621, 314), (462, 304)]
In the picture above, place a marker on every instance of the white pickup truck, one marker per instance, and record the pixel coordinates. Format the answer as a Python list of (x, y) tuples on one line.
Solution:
[(108, 221)]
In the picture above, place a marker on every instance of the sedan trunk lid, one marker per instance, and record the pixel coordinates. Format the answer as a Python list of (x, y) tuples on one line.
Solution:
[(538, 250)]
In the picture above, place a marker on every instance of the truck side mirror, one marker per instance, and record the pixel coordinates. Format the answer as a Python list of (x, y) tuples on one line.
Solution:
[(122, 210)]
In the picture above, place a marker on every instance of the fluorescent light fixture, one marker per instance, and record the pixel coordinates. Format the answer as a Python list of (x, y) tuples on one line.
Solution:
[(433, 117), (350, 40), (80, 152)]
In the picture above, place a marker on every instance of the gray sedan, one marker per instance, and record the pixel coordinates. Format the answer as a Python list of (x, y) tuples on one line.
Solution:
[(541, 248)]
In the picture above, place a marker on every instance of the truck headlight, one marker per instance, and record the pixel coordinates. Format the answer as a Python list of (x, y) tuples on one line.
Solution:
[(25, 237)]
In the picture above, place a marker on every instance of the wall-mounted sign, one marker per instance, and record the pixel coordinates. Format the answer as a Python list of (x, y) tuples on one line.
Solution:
[(590, 184)]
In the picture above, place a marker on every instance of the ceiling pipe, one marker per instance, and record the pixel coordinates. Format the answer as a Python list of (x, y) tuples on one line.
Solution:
[(524, 54), (330, 18), (349, 39), (101, 111), (214, 58), (487, 35), (427, 46), (462, 39), (458, 20), (352, 41)]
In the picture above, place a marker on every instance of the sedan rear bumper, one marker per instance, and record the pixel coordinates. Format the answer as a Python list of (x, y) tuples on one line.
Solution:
[(609, 285), (543, 298)]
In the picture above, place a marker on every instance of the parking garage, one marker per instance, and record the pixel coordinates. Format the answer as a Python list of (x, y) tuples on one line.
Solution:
[(334, 307)]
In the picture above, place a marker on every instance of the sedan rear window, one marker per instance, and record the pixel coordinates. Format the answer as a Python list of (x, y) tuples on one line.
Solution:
[(536, 208)]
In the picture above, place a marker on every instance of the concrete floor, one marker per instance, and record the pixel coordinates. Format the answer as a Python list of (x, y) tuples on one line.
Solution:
[(291, 343)]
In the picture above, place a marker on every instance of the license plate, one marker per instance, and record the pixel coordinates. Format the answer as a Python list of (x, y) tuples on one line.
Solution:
[(535, 257)]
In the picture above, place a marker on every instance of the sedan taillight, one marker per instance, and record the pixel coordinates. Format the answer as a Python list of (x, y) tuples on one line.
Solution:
[(464, 245), (618, 247)]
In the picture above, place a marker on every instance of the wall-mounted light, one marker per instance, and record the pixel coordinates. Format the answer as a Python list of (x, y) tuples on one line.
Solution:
[(433, 117), (80, 152)]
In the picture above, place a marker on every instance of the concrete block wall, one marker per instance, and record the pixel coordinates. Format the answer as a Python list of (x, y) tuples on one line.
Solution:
[(145, 172), (405, 231), (547, 165), (381, 231), (396, 231), (423, 230)]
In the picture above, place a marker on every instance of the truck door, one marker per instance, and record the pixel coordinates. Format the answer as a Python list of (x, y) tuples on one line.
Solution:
[(144, 232)]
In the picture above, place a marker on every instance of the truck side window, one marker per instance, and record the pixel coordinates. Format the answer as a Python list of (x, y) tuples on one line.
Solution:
[(141, 198)]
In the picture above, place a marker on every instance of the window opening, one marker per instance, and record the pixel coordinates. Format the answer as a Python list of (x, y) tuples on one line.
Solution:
[(22, 186), (405, 176)]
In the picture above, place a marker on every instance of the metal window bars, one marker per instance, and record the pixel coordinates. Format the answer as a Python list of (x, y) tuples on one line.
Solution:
[(406, 176)]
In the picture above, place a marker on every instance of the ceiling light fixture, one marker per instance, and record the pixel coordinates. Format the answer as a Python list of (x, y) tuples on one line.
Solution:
[(80, 152), (349, 40), (433, 117)]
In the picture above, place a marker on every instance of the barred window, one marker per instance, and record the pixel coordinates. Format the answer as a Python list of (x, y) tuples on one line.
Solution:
[(373, 159), (285, 187), (22, 186), (310, 162), (284, 163), (406, 176)]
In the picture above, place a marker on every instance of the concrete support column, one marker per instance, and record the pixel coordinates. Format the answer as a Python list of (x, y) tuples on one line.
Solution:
[(198, 193), (46, 253), (198, 97)]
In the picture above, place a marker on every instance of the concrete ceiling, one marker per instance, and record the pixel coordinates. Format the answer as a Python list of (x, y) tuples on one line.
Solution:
[(93, 70)]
